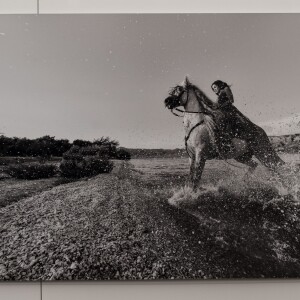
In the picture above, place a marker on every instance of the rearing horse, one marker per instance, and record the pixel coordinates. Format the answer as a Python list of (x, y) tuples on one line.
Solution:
[(201, 134)]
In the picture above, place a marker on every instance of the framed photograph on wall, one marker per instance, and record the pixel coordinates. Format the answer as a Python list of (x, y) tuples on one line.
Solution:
[(101, 178)]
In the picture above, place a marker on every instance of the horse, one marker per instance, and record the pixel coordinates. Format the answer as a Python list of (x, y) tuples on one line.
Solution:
[(201, 134)]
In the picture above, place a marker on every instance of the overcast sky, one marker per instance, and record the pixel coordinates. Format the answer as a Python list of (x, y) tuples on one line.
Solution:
[(87, 76)]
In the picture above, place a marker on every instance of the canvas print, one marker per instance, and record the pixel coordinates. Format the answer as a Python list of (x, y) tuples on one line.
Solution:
[(149, 146)]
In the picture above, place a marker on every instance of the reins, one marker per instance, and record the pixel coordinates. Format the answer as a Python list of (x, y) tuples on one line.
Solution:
[(188, 112), (184, 111)]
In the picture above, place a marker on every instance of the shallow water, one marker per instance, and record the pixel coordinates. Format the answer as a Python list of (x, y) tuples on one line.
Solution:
[(213, 168), (157, 166), (221, 173), (181, 165)]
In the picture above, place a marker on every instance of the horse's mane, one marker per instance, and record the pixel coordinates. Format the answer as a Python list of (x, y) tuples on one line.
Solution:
[(209, 104), (210, 107)]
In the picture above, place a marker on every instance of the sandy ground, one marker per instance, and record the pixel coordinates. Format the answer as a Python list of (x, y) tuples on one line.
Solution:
[(127, 225)]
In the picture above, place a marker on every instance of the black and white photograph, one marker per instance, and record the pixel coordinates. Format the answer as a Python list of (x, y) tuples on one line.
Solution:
[(149, 146)]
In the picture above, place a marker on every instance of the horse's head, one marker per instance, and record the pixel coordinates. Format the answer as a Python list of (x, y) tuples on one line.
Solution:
[(178, 95), (187, 94)]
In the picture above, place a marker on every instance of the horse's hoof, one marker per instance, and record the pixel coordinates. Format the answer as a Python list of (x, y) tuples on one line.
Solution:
[(198, 189), (194, 188)]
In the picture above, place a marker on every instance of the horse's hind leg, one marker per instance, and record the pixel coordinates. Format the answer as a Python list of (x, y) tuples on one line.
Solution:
[(247, 160)]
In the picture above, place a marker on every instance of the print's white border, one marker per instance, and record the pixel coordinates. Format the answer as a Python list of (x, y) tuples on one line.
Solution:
[(211, 290), (18, 6), (148, 6), (167, 6)]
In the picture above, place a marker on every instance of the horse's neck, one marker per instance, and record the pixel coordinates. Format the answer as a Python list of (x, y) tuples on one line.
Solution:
[(191, 119)]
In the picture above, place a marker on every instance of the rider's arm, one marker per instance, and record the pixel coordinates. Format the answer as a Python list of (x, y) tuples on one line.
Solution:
[(225, 97), (229, 94)]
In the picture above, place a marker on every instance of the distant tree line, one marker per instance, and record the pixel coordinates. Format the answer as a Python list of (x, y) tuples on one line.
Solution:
[(43, 146), (48, 146)]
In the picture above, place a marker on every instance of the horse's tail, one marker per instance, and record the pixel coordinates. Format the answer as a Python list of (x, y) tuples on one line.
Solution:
[(263, 149)]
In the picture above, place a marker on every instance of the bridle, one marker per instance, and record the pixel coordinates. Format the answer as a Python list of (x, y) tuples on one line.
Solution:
[(186, 138), (185, 111)]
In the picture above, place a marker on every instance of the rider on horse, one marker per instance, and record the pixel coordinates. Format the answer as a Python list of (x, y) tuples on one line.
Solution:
[(231, 122)]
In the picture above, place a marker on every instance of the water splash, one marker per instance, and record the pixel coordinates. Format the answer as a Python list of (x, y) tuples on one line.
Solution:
[(265, 185), (287, 180), (186, 196), (254, 218)]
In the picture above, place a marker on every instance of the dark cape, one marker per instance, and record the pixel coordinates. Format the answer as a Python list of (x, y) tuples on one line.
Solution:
[(231, 123)]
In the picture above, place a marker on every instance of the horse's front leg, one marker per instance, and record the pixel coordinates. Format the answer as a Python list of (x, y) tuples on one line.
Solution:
[(192, 171), (192, 161), (198, 169)]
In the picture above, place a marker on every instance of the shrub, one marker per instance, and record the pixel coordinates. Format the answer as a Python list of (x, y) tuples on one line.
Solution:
[(94, 166), (70, 169), (88, 151), (72, 156), (32, 171), (122, 154), (82, 143), (106, 141), (98, 151), (85, 167), (73, 149), (85, 161), (104, 151)]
